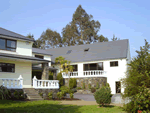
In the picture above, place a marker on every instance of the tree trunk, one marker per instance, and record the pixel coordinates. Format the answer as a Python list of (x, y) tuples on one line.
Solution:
[(45, 72)]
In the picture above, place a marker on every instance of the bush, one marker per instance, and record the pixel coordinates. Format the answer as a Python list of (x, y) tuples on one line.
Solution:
[(41, 94), (97, 85), (71, 95), (18, 94), (93, 89), (4, 93), (60, 95), (50, 95), (71, 91), (60, 78), (65, 89), (140, 101), (83, 86), (74, 90), (103, 96), (72, 83), (89, 86), (78, 88)]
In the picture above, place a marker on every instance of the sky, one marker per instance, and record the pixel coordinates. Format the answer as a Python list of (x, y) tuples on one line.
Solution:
[(127, 19)]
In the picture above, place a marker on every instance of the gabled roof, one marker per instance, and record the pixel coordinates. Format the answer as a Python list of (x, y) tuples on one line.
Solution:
[(5, 32), (97, 51), (40, 51)]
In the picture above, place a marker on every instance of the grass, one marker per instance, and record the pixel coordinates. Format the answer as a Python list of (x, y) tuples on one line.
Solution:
[(46, 106)]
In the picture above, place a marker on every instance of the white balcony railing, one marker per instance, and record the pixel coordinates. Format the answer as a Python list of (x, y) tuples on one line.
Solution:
[(92, 73), (45, 84), (11, 83)]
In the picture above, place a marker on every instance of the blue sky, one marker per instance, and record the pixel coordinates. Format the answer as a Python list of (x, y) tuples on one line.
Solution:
[(127, 19)]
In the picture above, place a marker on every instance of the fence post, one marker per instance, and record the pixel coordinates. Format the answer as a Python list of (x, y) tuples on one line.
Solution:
[(34, 82), (21, 81)]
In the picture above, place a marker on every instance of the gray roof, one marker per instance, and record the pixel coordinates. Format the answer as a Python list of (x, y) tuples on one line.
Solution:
[(40, 51), (6, 32), (22, 57), (97, 51)]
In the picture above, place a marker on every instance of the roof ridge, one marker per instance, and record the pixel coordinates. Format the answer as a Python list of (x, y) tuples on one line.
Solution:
[(87, 44)]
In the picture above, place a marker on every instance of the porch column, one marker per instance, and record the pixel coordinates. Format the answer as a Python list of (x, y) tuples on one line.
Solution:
[(45, 72)]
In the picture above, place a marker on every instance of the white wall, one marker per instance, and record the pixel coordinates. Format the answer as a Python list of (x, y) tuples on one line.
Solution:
[(22, 48), (21, 68), (46, 57)]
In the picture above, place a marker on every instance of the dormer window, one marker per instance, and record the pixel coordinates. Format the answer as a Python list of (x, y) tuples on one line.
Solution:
[(85, 50), (7, 44), (39, 56), (69, 51)]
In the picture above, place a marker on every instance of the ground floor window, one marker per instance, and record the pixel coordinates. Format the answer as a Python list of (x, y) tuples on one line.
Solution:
[(118, 87), (7, 67)]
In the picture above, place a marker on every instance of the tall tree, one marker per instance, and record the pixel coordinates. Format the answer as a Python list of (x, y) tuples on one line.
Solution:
[(101, 38), (82, 29), (115, 38), (36, 43), (50, 39)]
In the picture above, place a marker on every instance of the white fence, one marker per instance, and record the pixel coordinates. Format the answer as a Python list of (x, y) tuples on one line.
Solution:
[(92, 73), (45, 84), (12, 83)]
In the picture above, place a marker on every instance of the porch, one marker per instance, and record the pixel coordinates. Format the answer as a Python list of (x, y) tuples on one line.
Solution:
[(17, 83)]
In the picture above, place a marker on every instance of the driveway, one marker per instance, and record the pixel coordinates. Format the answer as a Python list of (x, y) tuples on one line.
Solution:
[(116, 98)]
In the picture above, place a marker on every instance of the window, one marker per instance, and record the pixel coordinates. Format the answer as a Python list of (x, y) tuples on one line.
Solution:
[(75, 67), (69, 51), (85, 50), (93, 66), (39, 56), (114, 63), (7, 44), (6, 67)]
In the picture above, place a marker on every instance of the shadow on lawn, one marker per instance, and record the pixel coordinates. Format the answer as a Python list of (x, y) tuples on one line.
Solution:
[(36, 107), (107, 106)]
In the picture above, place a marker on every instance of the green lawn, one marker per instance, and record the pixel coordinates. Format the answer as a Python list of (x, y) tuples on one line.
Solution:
[(45, 106)]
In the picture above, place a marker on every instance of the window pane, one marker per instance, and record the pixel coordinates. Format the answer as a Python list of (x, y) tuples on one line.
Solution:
[(75, 68), (86, 67), (4, 67), (100, 66), (2, 44), (93, 66), (11, 44), (116, 63), (11, 68), (39, 56), (11, 49)]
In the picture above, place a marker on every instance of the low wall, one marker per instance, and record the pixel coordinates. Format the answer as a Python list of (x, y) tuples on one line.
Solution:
[(46, 91), (88, 80)]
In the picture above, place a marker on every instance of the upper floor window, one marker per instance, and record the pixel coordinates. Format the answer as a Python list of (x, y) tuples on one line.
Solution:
[(7, 44), (93, 66), (39, 56), (7, 67), (114, 63)]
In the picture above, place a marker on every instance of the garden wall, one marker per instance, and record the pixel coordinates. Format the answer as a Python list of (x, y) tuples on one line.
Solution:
[(88, 80), (46, 91)]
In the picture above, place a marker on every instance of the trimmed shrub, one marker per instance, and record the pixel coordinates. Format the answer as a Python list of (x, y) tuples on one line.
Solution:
[(72, 83), (78, 88), (18, 94), (60, 95), (103, 96), (93, 90), (74, 90), (71, 91), (65, 89), (41, 94), (83, 85), (50, 95), (97, 85), (71, 95), (60, 78), (89, 85), (4, 93)]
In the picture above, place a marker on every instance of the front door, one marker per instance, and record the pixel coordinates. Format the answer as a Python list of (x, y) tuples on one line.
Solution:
[(118, 87)]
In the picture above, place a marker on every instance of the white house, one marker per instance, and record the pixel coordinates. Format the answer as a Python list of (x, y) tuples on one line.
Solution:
[(101, 60)]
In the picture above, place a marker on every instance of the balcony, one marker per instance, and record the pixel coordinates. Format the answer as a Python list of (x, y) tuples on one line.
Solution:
[(91, 73)]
